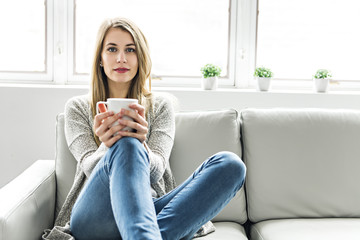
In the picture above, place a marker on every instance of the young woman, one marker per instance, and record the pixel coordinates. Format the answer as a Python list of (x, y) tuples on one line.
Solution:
[(124, 187)]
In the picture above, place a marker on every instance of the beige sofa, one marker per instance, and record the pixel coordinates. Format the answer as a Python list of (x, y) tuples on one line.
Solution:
[(302, 175)]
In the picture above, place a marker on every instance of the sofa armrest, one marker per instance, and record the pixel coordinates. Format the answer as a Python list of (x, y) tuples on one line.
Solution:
[(27, 203)]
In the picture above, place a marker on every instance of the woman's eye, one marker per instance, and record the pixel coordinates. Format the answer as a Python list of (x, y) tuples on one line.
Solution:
[(130, 50), (112, 49)]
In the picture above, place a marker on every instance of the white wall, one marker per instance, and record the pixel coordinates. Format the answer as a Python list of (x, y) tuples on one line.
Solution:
[(28, 113)]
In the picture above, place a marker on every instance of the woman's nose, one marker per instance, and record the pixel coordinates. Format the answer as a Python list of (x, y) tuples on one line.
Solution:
[(121, 58)]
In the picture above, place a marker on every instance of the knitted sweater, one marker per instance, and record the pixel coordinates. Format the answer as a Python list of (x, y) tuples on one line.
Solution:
[(80, 139)]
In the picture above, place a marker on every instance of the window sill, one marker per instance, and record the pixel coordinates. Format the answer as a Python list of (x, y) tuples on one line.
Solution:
[(254, 91), (183, 89)]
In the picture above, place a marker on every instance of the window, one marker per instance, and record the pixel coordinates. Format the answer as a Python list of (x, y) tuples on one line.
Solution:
[(295, 38), (23, 47), (53, 40), (183, 35)]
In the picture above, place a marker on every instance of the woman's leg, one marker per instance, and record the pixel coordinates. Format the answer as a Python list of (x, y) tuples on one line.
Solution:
[(201, 197), (117, 197)]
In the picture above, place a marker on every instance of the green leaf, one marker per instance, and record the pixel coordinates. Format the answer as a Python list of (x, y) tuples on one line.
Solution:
[(210, 70), (263, 72)]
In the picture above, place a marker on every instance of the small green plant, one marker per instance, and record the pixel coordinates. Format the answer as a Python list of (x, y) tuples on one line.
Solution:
[(263, 72), (322, 73), (210, 70)]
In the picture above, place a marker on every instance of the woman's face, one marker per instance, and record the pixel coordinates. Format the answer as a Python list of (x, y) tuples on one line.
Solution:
[(118, 57)]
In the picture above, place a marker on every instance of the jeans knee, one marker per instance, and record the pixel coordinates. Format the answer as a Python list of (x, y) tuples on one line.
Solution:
[(232, 165), (126, 148), (125, 143)]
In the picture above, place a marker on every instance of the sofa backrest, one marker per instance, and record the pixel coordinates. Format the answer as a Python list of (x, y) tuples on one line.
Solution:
[(301, 163), (198, 136), (65, 164)]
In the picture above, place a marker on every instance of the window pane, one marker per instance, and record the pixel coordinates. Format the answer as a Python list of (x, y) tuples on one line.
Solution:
[(183, 35), (22, 42), (295, 38)]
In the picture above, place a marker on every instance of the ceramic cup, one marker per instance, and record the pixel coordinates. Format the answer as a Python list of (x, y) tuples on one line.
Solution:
[(115, 105)]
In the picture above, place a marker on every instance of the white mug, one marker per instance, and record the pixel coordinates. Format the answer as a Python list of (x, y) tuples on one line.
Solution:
[(115, 105)]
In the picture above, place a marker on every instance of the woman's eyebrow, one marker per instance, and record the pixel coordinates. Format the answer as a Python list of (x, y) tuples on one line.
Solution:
[(114, 44)]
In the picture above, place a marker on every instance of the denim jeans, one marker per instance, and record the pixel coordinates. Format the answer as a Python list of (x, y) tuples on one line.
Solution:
[(116, 202)]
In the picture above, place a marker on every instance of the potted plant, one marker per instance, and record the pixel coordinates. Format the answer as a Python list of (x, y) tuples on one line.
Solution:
[(210, 74), (263, 77), (321, 80)]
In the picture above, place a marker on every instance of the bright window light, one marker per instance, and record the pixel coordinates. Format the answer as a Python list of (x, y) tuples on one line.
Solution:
[(295, 38), (23, 41), (183, 35)]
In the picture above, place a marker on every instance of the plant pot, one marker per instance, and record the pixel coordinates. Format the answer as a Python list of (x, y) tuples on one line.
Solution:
[(321, 84), (263, 84), (209, 83)]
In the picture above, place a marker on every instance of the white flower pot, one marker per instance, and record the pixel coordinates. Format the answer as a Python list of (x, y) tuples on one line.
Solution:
[(209, 83), (321, 84), (263, 84)]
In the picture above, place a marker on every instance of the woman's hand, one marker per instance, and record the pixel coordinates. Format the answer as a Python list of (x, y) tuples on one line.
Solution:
[(139, 124), (104, 129)]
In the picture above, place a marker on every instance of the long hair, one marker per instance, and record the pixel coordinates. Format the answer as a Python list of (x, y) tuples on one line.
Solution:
[(99, 83)]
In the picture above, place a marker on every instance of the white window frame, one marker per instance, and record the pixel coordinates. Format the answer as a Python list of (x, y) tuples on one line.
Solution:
[(37, 77), (246, 43), (61, 40)]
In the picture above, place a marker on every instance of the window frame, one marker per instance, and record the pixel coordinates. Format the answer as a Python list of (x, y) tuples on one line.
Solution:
[(246, 43)]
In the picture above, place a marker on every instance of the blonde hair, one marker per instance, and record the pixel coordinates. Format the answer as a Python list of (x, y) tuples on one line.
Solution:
[(99, 84)]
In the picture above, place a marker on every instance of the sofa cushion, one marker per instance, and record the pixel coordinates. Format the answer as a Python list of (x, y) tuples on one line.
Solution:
[(309, 229), (198, 136), (301, 163), (226, 231)]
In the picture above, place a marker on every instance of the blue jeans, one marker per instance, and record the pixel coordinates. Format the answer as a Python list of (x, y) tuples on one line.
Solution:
[(116, 202)]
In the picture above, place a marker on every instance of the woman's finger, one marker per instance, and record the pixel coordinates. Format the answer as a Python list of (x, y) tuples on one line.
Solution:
[(134, 125), (99, 118), (109, 132), (139, 108), (135, 115), (140, 137), (111, 135), (106, 124), (112, 140)]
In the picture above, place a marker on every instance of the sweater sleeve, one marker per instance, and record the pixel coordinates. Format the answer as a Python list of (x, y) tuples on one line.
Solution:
[(80, 136), (161, 138)]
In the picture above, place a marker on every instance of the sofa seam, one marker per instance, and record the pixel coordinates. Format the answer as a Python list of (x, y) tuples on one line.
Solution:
[(257, 231), (3, 227), (241, 119)]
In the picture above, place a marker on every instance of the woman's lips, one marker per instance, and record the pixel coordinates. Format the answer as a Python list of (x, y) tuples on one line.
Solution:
[(121, 70)]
